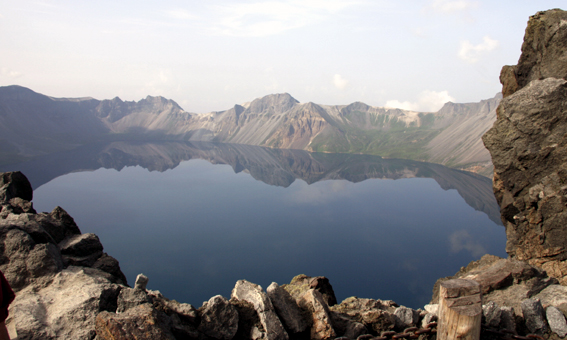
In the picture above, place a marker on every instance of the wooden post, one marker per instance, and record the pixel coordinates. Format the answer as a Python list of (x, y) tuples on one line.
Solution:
[(460, 310)]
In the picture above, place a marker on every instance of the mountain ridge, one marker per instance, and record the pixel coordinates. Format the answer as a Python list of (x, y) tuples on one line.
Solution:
[(275, 120)]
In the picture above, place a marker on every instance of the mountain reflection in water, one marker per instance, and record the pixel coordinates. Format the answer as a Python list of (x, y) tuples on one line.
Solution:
[(195, 228), (279, 167)]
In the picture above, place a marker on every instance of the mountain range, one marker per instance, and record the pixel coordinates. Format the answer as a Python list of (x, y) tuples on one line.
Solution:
[(33, 124)]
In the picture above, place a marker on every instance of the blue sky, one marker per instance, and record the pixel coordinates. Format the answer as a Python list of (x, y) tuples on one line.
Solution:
[(210, 55)]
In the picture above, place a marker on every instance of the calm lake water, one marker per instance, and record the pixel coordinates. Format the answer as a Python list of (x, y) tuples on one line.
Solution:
[(195, 218)]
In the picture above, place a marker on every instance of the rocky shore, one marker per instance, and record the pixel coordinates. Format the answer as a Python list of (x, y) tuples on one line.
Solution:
[(68, 288)]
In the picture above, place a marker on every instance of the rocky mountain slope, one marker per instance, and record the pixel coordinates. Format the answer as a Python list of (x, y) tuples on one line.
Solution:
[(529, 147), (33, 124)]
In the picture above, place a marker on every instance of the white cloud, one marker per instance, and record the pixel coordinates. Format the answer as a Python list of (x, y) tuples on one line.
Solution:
[(4, 71), (340, 82), (452, 6), (472, 53), (179, 14), (462, 240), (273, 17), (428, 101)]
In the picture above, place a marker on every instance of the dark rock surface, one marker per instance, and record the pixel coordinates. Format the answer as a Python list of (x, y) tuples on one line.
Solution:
[(544, 52), (529, 148)]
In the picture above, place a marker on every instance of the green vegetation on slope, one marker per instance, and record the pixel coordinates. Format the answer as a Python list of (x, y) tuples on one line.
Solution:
[(392, 139)]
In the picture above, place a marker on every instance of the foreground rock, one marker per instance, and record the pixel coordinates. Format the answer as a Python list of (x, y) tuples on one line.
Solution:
[(528, 147), (517, 297)]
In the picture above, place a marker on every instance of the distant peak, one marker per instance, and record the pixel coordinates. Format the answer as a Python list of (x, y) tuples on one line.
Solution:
[(280, 102), (280, 97)]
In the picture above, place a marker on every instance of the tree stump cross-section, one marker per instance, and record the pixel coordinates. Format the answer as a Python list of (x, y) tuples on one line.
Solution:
[(460, 310)]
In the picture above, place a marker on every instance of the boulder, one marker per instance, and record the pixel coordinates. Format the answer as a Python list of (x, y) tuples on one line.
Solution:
[(301, 283), (140, 322), (249, 325), (406, 317), (219, 319), (321, 326), (130, 298), (492, 315), (534, 316), (141, 282), (375, 315), (528, 147), (14, 184), (287, 308), (81, 245), (58, 223), (64, 309), (556, 321), (252, 293), (554, 295), (24, 261), (508, 319), (111, 266)]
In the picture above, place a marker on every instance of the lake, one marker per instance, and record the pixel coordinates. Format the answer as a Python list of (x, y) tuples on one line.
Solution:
[(197, 217)]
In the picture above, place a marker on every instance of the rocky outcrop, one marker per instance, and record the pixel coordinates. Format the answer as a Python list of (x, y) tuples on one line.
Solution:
[(529, 148), (544, 52), (61, 277)]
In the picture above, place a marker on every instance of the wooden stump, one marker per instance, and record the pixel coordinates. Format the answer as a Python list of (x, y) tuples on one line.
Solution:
[(460, 310)]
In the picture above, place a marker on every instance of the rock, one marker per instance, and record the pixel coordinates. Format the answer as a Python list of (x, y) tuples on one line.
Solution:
[(14, 184), (65, 309), (376, 315), (219, 319), (25, 262), (427, 319), (347, 327), (301, 283), (528, 147), (130, 298), (432, 308), (111, 266), (140, 322), (182, 330), (249, 324), (186, 312), (508, 319), (18, 206), (554, 295), (286, 308), (507, 282), (544, 52), (244, 290), (81, 245), (314, 302), (141, 282), (556, 321), (58, 223), (534, 316), (354, 330), (406, 317), (492, 315)]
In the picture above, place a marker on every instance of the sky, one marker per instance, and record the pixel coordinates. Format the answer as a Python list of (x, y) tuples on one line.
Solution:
[(209, 55)]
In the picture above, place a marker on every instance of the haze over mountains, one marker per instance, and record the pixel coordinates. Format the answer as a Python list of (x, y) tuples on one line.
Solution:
[(33, 124)]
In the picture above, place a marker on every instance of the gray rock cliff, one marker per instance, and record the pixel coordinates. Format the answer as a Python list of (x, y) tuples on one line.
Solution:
[(528, 146)]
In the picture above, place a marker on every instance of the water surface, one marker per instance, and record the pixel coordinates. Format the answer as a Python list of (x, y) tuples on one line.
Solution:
[(195, 218)]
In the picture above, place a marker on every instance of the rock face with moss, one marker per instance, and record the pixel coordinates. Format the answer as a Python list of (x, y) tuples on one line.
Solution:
[(528, 145)]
